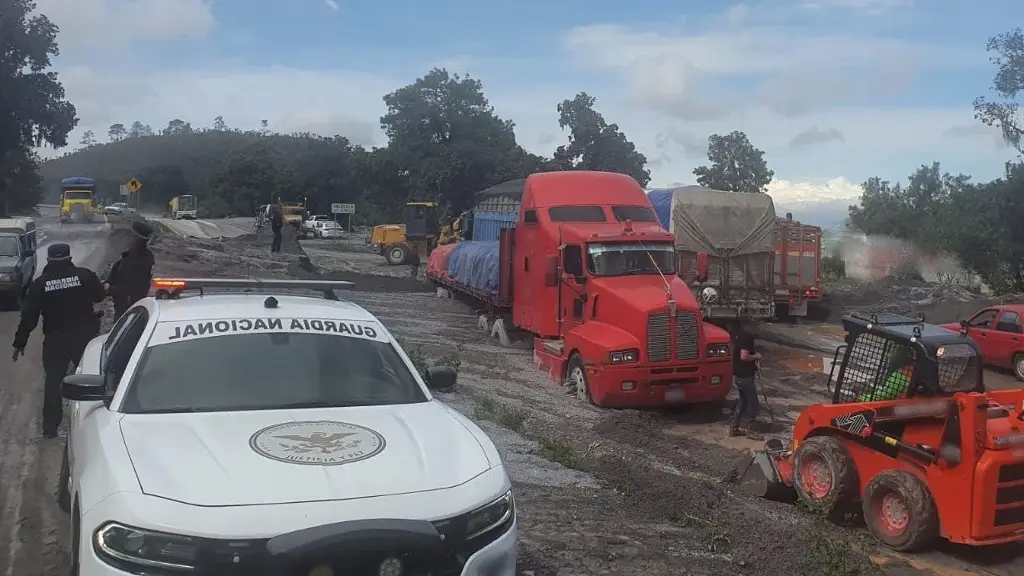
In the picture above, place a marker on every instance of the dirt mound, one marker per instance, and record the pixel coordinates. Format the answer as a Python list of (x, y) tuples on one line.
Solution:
[(938, 302)]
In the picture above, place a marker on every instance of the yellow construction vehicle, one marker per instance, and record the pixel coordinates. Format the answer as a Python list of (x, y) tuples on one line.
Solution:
[(293, 213), (409, 242)]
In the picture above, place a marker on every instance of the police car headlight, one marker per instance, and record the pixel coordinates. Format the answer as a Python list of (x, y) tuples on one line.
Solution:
[(489, 517), (135, 548)]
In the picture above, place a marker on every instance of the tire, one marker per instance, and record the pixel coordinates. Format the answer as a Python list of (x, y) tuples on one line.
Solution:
[(825, 476), (397, 254), (1018, 366), (576, 380), (63, 494), (900, 512)]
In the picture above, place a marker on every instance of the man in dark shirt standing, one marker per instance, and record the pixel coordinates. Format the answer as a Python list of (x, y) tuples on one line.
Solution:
[(276, 224), (130, 277), (744, 370), (64, 295)]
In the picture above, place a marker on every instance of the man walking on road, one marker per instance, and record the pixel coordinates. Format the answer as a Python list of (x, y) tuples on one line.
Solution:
[(276, 224), (131, 276), (64, 295), (744, 370)]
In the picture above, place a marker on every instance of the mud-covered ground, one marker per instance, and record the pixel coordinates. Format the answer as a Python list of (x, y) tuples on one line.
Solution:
[(599, 491)]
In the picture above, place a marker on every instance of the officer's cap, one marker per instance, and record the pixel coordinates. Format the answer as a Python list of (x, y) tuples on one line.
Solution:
[(58, 252), (142, 229)]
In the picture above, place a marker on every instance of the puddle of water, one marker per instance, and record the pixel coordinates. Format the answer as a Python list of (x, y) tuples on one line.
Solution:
[(805, 363)]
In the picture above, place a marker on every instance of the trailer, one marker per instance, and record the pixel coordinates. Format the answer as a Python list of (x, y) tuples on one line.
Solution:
[(596, 289), (797, 275), (735, 230), (182, 207)]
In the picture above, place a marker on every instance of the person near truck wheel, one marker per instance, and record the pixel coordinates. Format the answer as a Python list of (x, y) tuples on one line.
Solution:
[(64, 295), (744, 368), (276, 224), (131, 276)]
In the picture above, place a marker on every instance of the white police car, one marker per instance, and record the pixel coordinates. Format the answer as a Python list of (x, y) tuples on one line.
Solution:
[(251, 434)]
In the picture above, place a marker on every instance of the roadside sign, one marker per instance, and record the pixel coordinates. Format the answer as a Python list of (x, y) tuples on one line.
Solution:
[(133, 185), (343, 208), (124, 190)]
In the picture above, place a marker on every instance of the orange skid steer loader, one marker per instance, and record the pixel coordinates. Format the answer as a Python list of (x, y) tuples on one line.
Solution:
[(911, 436)]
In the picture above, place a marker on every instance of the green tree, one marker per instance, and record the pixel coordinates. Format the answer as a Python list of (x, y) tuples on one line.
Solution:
[(448, 140), (177, 126), (253, 177), (163, 182), (88, 138), (736, 165), (139, 129), (594, 144), (219, 124), (1004, 112), (33, 110), (19, 174), (117, 132)]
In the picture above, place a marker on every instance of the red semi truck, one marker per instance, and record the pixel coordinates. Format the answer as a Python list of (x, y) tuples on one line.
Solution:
[(589, 271), (797, 266)]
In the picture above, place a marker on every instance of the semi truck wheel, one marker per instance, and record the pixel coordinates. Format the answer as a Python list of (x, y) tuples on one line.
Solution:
[(576, 380), (824, 475), (900, 511), (397, 254)]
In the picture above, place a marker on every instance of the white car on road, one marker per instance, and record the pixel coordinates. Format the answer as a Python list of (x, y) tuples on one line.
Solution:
[(328, 229), (254, 434)]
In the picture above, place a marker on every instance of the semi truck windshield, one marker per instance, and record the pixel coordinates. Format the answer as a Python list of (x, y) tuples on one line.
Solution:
[(77, 194), (630, 258)]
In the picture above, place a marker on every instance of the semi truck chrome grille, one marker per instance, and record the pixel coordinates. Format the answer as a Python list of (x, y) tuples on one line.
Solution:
[(687, 341), (659, 337)]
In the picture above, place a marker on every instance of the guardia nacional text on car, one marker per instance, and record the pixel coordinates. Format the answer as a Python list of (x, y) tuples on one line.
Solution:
[(273, 434)]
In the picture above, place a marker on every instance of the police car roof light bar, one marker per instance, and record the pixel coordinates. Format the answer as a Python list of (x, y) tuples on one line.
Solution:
[(173, 287)]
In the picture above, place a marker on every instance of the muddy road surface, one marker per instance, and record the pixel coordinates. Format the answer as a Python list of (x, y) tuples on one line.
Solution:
[(600, 491), (33, 532)]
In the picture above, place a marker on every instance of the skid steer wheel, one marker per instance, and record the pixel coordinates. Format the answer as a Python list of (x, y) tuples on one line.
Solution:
[(824, 475), (63, 494), (397, 254), (576, 380), (1018, 367), (900, 512)]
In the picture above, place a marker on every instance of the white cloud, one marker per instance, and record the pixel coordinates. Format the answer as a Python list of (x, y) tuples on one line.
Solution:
[(786, 192), (97, 26), (867, 6)]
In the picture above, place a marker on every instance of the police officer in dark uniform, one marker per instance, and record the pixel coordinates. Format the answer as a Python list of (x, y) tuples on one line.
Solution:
[(64, 294), (276, 224), (131, 276)]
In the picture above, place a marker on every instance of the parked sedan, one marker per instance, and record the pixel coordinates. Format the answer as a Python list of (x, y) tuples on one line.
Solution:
[(328, 229), (999, 334)]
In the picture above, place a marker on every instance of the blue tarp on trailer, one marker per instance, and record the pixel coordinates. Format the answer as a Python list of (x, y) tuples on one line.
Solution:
[(661, 200), (77, 181), (475, 264), (487, 226)]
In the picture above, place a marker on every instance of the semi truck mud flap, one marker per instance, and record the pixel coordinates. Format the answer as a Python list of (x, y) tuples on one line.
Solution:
[(757, 475)]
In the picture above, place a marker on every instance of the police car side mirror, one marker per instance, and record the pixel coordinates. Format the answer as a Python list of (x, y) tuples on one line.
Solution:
[(84, 387), (441, 377)]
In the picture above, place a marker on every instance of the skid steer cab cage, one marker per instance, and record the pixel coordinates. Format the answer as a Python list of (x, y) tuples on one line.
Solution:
[(890, 357), (170, 288)]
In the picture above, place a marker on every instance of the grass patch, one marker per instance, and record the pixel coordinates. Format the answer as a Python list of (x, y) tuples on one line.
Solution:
[(505, 416), (832, 554), (422, 363), (559, 451)]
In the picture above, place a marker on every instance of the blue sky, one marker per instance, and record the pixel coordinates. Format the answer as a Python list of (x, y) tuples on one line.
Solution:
[(834, 91)]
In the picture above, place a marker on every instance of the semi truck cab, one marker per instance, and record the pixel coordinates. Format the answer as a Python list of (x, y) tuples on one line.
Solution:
[(600, 292)]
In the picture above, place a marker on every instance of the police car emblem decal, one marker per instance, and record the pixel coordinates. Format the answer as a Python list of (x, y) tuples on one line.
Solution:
[(319, 443)]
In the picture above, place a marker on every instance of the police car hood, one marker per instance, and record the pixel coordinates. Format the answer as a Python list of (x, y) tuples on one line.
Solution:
[(282, 456)]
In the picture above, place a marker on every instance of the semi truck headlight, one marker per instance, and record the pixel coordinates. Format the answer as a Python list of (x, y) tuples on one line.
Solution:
[(718, 350), (623, 356), (489, 517), (135, 548)]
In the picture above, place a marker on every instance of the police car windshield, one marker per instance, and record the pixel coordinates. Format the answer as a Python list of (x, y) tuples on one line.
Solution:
[(255, 364), (8, 245)]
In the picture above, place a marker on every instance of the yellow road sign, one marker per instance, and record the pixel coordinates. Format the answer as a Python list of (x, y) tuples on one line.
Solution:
[(134, 185)]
